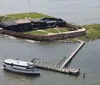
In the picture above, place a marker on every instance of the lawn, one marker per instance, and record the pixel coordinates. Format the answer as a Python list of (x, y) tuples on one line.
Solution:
[(46, 31), (93, 32), (31, 15), (36, 32), (62, 29), (51, 30)]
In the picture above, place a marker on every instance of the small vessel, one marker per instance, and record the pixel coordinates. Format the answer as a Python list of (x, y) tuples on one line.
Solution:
[(20, 67)]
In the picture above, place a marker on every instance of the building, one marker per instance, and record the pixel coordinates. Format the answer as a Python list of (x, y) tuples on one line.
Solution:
[(44, 23), (18, 25), (54, 22), (33, 24), (38, 24)]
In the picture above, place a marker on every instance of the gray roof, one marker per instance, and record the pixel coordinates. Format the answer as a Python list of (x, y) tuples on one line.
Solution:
[(50, 21), (37, 20), (8, 23), (15, 22)]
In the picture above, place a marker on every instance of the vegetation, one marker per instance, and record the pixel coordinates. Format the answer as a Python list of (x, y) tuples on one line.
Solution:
[(17, 16), (46, 31), (3, 18), (63, 29), (36, 32), (76, 26), (51, 30), (92, 32)]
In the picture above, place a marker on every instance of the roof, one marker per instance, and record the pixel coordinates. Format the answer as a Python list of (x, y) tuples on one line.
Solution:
[(23, 21), (51, 19), (37, 20), (8, 23), (51, 22), (17, 62)]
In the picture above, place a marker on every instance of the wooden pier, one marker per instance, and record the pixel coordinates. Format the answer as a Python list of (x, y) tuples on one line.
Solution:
[(61, 67), (53, 67), (66, 60)]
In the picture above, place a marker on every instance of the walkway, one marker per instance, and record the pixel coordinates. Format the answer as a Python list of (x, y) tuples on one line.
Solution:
[(69, 32), (61, 67), (66, 60)]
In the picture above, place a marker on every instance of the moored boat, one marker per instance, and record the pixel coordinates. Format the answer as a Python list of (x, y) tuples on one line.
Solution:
[(20, 67)]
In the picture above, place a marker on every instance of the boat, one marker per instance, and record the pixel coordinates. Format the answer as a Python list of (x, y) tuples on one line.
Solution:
[(20, 67)]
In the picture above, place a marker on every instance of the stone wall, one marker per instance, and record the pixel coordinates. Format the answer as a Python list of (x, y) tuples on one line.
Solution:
[(43, 38)]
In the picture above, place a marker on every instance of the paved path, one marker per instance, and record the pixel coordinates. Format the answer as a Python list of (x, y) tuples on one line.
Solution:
[(68, 32), (57, 30)]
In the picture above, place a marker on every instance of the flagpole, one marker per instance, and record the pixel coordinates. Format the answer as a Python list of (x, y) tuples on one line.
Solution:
[(28, 12)]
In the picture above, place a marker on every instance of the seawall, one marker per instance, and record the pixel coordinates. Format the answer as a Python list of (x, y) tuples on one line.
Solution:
[(56, 36)]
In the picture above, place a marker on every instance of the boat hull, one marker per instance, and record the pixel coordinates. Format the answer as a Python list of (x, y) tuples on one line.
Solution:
[(21, 72)]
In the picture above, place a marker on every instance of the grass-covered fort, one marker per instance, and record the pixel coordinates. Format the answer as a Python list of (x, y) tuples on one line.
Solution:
[(40, 24)]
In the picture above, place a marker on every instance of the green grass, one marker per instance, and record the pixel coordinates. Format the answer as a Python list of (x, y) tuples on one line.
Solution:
[(93, 32), (31, 15), (36, 32), (62, 29), (51, 30)]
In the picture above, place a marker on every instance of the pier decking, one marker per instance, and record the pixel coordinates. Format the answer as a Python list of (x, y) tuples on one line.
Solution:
[(66, 60), (61, 66), (55, 68)]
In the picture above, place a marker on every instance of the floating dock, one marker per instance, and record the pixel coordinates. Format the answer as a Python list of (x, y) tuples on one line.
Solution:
[(61, 66)]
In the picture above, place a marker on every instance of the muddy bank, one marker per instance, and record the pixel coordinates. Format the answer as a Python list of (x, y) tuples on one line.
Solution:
[(42, 38)]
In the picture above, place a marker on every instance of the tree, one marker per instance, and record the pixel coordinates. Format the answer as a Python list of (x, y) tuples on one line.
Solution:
[(2, 18)]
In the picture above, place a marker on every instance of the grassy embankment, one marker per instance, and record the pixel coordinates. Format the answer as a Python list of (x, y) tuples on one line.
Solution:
[(92, 32)]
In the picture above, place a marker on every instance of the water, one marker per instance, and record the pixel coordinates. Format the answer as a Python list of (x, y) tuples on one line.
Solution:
[(87, 60), (76, 11)]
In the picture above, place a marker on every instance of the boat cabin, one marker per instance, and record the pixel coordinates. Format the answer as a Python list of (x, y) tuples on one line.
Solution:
[(18, 63)]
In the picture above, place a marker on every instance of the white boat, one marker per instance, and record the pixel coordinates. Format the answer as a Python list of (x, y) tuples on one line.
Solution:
[(20, 67)]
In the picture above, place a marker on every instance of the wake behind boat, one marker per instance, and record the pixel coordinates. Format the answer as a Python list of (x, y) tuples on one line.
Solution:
[(20, 67)]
